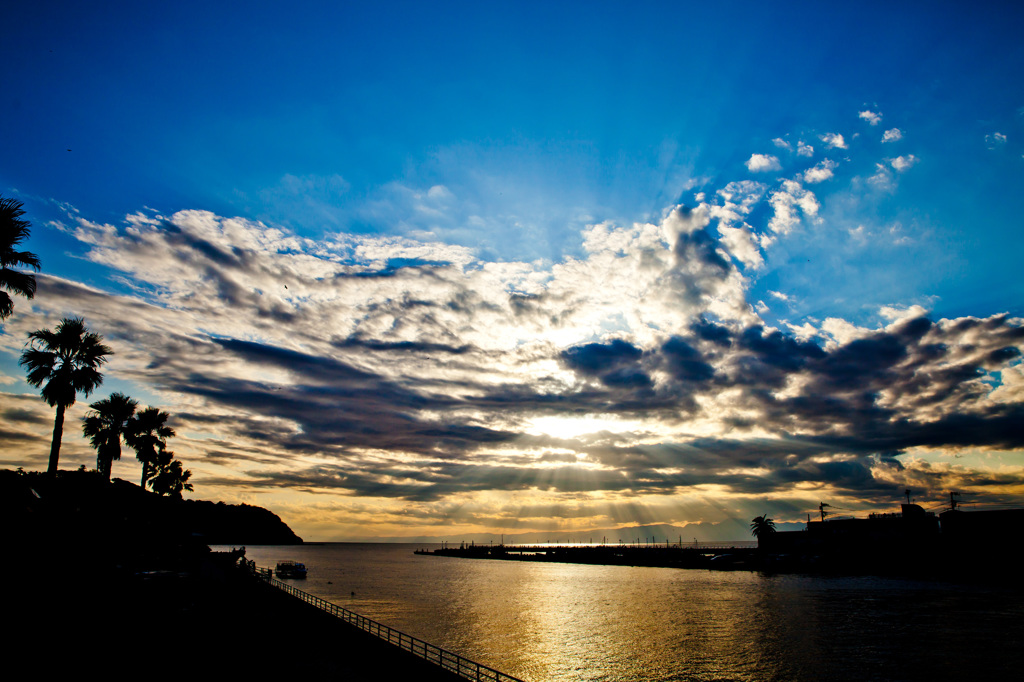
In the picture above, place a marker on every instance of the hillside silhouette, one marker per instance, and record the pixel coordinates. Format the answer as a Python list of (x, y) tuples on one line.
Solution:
[(78, 516), (110, 579)]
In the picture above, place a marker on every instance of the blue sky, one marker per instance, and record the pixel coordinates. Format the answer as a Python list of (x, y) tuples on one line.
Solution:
[(460, 192)]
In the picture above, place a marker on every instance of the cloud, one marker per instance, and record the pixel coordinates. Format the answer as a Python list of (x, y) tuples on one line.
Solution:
[(898, 313), (995, 140), (760, 163), (782, 144), (805, 149), (742, 244), (741, 241), (402, 375), (892, 135), (739, 198), (833, 141), (788, 203), (902, 163), (614, 363), (883, 177), (483, 347), (821, 172), (871, 117)]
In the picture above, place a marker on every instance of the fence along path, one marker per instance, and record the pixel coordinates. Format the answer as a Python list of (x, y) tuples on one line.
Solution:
[(463, 667)]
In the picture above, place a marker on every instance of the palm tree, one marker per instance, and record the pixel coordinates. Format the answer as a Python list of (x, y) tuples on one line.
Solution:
[(171, 478), (106, 425), (12, 230), (64, 362), (147, 434), (761, 526)]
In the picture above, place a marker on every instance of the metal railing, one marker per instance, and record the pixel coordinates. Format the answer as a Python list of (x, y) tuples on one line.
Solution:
[(463, 667)]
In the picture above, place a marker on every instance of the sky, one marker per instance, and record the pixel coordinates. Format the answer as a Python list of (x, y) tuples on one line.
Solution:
[(436, 269)]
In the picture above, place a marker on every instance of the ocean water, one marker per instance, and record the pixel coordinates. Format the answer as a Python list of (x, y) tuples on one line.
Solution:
[(541, 621)]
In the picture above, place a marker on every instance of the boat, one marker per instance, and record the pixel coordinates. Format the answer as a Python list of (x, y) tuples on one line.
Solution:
[(290, 569)]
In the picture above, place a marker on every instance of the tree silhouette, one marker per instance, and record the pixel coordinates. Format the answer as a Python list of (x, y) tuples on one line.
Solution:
[(12, 230), (171, 478), (64, 362), (147, 435), (761, 526), (106, 425)]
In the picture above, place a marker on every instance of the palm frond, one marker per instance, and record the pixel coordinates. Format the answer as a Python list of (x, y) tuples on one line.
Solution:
[(21, 259), (21, 283)]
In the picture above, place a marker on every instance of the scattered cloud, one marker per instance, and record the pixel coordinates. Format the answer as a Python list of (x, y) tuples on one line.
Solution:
[(883, 177), (871, 117), (804, 149), (902, 163), (759, 163), (994, 140), (901, 313), (892, 135), (858, 234), (833, 141), (789, 202), (821, 172)]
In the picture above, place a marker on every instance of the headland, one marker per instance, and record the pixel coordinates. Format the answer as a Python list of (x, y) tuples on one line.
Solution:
[(110, 579)]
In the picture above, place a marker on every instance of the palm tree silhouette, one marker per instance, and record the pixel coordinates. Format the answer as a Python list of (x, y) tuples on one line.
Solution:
[(147, 435), (171, 479), (12, 230), (762, 525), (64, 362), (106, 425)]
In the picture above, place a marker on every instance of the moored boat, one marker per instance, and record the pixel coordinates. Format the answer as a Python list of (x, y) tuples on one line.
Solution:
[(290, 569)]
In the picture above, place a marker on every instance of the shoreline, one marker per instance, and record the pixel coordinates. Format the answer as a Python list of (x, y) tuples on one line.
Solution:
[(216, 619)]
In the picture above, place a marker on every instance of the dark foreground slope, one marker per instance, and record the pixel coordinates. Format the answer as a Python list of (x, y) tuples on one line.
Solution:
[(208, 624), (110, 580)]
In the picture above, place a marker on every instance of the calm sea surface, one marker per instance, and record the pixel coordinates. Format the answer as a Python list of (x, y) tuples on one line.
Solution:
[(573, 622)]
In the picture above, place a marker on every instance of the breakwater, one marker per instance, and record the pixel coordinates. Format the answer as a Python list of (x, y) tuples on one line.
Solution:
[(704, 555)]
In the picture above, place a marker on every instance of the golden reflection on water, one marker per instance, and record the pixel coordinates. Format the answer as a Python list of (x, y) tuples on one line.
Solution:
[(576, 622), (550, 621)]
